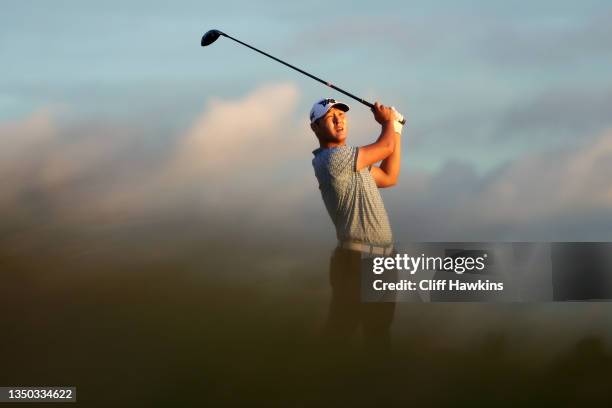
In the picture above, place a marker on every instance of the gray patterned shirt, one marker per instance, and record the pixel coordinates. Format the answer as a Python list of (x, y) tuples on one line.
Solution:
[(351, 197)]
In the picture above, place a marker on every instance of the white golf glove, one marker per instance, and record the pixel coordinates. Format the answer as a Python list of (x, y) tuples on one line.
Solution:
[(397, 126)]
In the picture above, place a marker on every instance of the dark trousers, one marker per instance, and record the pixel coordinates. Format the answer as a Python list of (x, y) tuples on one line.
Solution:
[(347, 311)]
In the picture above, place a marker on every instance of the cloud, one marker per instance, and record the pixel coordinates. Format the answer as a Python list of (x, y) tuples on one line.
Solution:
[(258, 130), (25, 143), (246, 163), (233, 157), (486, 137), (535, 197), (237, 155), (552, 184)]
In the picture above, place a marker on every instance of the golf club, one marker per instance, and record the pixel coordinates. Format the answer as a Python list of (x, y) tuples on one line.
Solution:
[(212, 36)]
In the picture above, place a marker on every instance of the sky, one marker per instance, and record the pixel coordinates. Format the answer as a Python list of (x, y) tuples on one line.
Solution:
[(112, 110)]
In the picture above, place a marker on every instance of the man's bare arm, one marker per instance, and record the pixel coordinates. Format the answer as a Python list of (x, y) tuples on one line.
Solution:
[(384, 145), (387, 174)]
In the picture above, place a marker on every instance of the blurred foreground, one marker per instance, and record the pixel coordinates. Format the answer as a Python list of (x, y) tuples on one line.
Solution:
[(163, 314)]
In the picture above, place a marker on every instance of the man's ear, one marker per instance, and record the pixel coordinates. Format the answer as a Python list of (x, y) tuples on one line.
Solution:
[(314, 127)]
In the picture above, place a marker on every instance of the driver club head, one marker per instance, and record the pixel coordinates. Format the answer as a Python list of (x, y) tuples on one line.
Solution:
[(210, 37)]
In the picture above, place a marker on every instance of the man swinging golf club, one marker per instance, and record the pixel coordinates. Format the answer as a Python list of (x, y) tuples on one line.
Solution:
[(349, 184), (349, 181)]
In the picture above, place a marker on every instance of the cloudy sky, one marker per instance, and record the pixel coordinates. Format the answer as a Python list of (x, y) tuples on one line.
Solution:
[(112, 110)]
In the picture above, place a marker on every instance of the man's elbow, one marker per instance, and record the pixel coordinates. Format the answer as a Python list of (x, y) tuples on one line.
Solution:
[(388, 182), (393, 179)]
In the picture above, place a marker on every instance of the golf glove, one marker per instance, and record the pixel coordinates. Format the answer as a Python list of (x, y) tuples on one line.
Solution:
[(397, 126)]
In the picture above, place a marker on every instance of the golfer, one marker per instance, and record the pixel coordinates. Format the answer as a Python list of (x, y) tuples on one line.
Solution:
[(349, 181)]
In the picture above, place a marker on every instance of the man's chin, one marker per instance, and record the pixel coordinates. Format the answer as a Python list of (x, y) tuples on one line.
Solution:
[(341, 137)]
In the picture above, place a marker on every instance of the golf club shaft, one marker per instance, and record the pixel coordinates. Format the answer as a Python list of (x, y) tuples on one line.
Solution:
[(363, 101)]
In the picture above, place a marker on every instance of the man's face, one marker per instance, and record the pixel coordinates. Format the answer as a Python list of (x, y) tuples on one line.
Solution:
[(332, 127)]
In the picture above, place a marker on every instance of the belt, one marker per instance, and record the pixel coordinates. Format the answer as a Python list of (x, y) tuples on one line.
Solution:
[(367, 248)]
